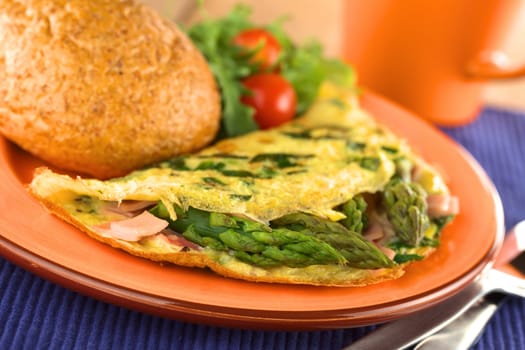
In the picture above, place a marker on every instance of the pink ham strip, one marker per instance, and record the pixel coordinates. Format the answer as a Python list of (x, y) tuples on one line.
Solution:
[(170, 237), (134, 229), (442, 205), (136, 205), (374, 232), (129, 208)]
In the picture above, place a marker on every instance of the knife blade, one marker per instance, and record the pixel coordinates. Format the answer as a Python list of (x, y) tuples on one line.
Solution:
[(410, 329), (413, 328)]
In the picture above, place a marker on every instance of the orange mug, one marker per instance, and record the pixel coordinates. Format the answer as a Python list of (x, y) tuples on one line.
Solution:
[(433, 57)]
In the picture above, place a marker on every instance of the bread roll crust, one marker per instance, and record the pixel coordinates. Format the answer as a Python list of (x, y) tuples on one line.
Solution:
[(101, 87)]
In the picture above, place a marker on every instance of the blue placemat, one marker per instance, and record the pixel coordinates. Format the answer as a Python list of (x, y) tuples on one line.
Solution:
[(37, 314)]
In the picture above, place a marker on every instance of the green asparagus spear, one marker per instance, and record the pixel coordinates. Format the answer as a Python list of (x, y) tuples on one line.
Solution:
[(313, 241), (406, 208), (302, 243), (357, 251), (239, 241), (301, 221), (293, 255), (354, 209), (191, 234), (403, 168), (257, 259), (290, 257)]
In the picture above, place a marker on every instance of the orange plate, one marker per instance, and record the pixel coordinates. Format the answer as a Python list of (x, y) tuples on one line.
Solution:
[(43, 244)]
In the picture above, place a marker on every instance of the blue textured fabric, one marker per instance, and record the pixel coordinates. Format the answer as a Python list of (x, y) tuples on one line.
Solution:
[(37, 314), (496, 141)]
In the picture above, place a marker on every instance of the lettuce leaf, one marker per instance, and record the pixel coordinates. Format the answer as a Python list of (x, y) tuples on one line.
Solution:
[(304, 67)]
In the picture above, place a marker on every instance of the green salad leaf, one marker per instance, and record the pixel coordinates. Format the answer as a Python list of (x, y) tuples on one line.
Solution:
[(304, 66), (213, 38)]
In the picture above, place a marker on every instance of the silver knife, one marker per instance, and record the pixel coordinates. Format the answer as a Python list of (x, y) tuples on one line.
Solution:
[(464, 332), (413, 328)]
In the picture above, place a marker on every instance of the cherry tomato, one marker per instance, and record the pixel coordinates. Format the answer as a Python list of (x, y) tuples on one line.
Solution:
[(268, 47), (272, 97)]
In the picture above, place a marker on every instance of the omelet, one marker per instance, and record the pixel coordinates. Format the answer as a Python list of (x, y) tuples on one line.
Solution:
[(331, 198)]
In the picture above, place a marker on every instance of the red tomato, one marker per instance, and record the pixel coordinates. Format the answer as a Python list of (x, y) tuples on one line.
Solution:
[(272, 97), (268, 47)]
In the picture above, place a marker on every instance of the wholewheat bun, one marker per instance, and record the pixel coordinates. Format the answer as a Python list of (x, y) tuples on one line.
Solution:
[(101, 86)]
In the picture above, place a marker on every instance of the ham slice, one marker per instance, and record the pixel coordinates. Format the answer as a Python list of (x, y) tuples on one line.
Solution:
[(134, 229), (374, 232), (442, 205), (129, 208), (170, 237)]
